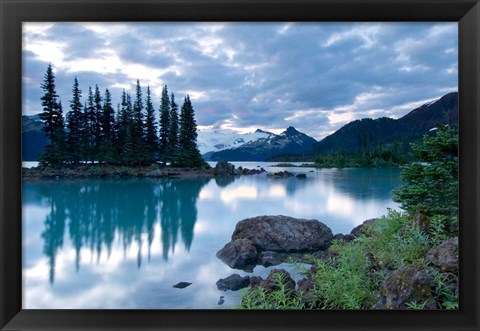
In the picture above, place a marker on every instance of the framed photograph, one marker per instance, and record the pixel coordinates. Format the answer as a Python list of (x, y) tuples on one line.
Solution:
[(205, 164)]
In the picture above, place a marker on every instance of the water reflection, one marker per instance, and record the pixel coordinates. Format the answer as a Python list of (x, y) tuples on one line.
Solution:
[(124, 243), (96, 212)]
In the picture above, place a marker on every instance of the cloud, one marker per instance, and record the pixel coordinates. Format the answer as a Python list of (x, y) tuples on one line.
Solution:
[(315, 76)]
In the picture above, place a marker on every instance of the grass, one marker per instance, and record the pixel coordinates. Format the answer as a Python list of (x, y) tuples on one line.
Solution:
[(352, 277)]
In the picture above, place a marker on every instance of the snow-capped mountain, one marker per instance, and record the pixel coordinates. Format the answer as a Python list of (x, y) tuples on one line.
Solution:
[(270, 144), (210, 141)]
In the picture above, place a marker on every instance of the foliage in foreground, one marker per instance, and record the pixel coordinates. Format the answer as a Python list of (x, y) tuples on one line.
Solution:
[(351, 278)]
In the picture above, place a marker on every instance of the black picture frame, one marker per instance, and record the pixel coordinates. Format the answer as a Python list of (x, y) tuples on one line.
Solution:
[(14, 12)]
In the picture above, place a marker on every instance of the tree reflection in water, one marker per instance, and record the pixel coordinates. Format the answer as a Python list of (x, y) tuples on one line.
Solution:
[(100, 212)]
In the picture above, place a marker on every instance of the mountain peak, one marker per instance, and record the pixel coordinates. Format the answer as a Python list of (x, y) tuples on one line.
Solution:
[(261, 131), (290, 131)]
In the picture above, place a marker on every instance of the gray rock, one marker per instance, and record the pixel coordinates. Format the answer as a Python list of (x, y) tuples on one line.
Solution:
[(301, 176), (182, 285), (269, 258), (343, 237), (239, 254), (224, 169), (280, 174), (445, 255), (284, 234), (276, 275), (405, 285), (360, 229), (233, 282), (256, 281), (306, 289), (249, 172), (272, 281)]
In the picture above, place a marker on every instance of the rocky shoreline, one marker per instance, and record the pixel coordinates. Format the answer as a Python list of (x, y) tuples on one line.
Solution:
[(86, 171), (272, 240)]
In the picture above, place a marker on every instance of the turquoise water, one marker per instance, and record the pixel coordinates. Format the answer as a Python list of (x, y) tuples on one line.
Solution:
[(125, 243)]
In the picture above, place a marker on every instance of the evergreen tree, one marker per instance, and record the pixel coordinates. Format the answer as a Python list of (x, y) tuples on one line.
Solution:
[(117, 136), (432, 185), (151, 129), (130, 146), (52, 118), (138, 131), (108, 129), (173, 143), (97, 128), (122, 124), (75, 125), (60, 147), (164, 120), (90, 119), (189, 154)]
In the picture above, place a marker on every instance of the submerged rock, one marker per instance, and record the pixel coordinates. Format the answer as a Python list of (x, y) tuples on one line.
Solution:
[(280, 174), (301, 176), (233, 282), (182, 285)]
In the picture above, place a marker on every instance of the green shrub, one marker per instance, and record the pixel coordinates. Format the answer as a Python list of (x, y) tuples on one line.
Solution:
[(281, 298), (343, 282), (394, 242)]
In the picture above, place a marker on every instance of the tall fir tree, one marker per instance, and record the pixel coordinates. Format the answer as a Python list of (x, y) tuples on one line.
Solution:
[(151, 139), (173, 144), (60, 152), (90, 119), (98, 113), (75, 125), (138, 127), (130, 146), (108, 130), (52, 117), (122, 124), (164, 121), (108, 118), (189, 153)]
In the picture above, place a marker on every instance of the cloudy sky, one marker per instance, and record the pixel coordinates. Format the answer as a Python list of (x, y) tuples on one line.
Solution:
[(242, 76)]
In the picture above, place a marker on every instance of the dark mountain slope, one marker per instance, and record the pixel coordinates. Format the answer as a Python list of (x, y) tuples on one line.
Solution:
[(33, 138), (289, 141), (371, 132), (422, 119)]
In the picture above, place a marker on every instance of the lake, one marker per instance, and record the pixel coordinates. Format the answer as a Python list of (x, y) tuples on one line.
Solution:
[(124, 243)]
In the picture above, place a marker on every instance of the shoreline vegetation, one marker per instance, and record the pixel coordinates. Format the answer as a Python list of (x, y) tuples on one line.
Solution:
[(403, 260), (406, 260), (92, 170)]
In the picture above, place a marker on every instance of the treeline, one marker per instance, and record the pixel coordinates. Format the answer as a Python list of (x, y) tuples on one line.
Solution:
[(94, 132), (368, 155)]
